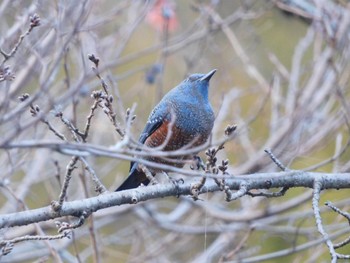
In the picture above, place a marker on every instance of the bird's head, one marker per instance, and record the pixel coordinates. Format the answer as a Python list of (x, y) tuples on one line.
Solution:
[(200, 82)]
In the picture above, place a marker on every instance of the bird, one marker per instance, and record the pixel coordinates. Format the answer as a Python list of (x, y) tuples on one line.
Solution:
[(183, 117)]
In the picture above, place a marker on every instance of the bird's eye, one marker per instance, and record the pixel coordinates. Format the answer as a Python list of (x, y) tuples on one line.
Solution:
[(193, 78)]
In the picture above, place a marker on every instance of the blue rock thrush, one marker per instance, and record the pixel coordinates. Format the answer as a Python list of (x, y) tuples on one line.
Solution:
[(183, 117)]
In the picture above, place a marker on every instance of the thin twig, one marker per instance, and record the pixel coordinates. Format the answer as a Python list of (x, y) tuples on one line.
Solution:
[(344, 214), (251, 70), (196, 187), (106, 97), (7, 245), (280, 193), (74, 131), (337, 210), (148, 174), (70, 168), (241, 244), (51, 128), (64, 226), (99, 187), (34, 22), (243, 190), (276, 161), (88, 120), (315, 206)]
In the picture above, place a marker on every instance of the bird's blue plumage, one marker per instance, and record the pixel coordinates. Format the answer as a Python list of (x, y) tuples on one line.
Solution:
[(186, 113)]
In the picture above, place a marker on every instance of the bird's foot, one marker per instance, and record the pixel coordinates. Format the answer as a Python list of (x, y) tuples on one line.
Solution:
[(197, 163), (175, 182), (148, 174)]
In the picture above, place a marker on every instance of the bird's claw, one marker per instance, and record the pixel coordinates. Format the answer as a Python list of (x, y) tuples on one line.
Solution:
[(197, 163), (176, 183)]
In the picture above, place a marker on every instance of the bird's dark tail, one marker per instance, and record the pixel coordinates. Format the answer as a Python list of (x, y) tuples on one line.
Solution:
[(134, 180)]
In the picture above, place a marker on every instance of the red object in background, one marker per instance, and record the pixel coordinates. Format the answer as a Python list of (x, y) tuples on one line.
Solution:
[(163, 15)]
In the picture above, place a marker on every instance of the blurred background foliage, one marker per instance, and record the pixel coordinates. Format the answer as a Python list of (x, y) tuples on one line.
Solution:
[(145, 49)]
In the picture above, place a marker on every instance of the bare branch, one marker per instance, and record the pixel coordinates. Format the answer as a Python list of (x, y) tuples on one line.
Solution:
[(256, 181)]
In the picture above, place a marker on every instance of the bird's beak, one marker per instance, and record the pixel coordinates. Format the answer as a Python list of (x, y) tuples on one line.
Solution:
[(208, 76)]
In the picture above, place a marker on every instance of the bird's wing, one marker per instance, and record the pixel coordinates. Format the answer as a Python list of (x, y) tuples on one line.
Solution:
[(155, 120), (150, 128)]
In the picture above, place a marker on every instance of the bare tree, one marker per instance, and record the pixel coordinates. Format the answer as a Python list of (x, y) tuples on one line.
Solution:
[(77, 79)]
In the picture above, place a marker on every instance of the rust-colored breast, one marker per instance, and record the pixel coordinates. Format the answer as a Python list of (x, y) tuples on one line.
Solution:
[(172, 138)]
